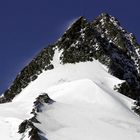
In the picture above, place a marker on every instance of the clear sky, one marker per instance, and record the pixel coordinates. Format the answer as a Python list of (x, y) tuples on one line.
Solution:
[(26, 26)]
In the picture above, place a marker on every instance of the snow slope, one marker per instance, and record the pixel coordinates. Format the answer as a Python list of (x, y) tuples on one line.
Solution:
[(86, 106)]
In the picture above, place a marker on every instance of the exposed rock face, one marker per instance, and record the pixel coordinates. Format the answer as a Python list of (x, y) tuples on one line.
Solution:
[(41, 62), (102, 39), (27, 126), (122, 49)]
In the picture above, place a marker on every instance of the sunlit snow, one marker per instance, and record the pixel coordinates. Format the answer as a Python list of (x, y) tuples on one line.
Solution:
[(86, 107)]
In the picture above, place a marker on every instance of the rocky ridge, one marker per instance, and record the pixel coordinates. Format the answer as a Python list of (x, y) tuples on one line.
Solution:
[(28, 126), (103, 39)]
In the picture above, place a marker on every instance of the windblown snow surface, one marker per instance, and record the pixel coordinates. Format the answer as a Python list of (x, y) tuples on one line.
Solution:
[(86, 107)]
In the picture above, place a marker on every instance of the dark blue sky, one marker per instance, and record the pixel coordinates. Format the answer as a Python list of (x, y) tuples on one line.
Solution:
[(26, 26)]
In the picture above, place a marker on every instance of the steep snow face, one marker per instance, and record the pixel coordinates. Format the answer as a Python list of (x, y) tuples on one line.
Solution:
[(85, 110), (86, 105), (94, 71)]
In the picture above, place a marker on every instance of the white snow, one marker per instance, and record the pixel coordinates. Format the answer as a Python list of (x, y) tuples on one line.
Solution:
[(86, 106)]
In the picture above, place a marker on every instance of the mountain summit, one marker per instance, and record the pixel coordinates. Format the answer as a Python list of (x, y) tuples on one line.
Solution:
[(102, 39), (74, 88)]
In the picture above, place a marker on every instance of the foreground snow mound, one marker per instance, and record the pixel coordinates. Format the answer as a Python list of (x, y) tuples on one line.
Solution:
[(86, 107)]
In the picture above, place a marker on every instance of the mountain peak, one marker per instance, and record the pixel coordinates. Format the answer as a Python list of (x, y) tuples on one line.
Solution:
[(102, 39), (78, 22), (71, 86), (105, 18)]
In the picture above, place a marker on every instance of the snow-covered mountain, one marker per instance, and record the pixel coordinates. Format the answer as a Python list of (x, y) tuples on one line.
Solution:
[(68, 91)]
